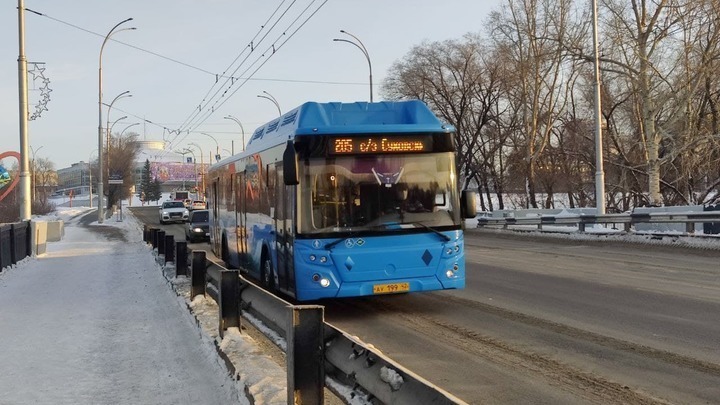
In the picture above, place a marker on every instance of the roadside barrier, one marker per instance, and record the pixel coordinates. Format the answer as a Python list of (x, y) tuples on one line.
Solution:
[(315, 349), (627, 220), (169, 248), (15, 243)]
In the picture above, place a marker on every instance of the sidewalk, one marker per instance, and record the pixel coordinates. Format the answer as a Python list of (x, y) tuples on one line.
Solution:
[(94, 321)]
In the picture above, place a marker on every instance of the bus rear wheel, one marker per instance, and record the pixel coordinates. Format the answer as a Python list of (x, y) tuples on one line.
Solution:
[(266, 274), (224, 251)]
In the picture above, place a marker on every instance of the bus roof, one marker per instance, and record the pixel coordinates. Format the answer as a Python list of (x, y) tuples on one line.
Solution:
[(348, 118)]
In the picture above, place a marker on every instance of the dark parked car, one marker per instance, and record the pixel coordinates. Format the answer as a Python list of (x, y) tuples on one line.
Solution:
[(198, 226)]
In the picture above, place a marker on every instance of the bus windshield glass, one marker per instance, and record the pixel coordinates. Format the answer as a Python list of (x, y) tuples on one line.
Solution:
[(378, 192)]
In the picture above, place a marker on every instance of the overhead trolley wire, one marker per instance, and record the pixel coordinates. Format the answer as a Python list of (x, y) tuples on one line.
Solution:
[(250, 46), (196, 119), (269, 51)]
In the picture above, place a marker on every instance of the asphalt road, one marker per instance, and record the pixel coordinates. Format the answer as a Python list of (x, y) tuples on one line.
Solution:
[(150, 215), (547, 321)]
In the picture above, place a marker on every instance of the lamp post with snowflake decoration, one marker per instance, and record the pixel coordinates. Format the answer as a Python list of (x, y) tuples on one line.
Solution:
[(38, 74), (24, 176)]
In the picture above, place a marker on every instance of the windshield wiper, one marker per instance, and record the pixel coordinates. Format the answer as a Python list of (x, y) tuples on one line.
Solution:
[(442, 236), (435, 231)]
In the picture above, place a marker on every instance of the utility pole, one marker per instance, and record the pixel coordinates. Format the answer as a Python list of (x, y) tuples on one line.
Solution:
[(25, 207), (599, 171)]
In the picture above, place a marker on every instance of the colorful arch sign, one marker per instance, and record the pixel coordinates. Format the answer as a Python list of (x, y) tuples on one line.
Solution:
[(7, 184)]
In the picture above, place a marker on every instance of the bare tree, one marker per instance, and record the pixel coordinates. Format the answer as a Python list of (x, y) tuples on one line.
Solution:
[(122, 153), (44, 176), (531, 34), (459, 81)]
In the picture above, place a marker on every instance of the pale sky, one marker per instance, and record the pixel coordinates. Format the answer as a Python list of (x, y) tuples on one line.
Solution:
[(203, 37)]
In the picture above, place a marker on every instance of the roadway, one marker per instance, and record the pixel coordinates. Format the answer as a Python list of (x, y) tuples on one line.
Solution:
[(556, 321)]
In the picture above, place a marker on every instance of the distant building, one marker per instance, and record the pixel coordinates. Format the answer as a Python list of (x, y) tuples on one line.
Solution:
[(75, 178), (173, 170)]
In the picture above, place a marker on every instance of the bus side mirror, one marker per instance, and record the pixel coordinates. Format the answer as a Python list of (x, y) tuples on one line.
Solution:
[(468, 204), (290, 165)]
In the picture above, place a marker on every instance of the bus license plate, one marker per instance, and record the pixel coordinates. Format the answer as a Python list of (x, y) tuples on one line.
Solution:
[(390, 288)]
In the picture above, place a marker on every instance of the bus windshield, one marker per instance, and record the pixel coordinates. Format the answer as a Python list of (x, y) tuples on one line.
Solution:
[(362, 193)]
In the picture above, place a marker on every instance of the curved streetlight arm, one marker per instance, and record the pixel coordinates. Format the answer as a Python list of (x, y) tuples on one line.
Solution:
[(217, 145), (116, 121), (273, 101), (356, 45), (242, 130), (118, 97), (126, 128), (359, 41), (197, 146), (362, 49)]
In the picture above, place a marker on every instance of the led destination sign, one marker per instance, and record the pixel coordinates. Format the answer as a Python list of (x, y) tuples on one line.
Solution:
[(380, 144)]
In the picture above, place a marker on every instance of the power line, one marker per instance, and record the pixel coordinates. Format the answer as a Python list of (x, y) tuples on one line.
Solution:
[(199, 69), (270, 50), (200, 115)]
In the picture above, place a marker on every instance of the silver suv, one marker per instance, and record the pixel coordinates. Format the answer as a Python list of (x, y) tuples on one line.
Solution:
[(173, 211)]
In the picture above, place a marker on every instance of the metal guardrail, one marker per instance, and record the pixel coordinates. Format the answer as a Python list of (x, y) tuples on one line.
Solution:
[(315, 349), (627, 220), (15, 243)]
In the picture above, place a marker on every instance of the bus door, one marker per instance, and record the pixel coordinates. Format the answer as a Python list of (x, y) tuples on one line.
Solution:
[(283, 221), (215, 225), (241, 218)]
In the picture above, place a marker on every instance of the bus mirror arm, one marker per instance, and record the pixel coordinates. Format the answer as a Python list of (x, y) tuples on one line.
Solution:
[(468, 203), (290, 165)]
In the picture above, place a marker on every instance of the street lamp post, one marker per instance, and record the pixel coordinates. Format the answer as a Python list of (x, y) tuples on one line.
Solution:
[(34, 177), (108, 128), (271, 98), (190, 151), (90, 176), (100, 140), (24, 182), (217, 145), (242, 130), (202, 164), (183, 152), (364, 50)]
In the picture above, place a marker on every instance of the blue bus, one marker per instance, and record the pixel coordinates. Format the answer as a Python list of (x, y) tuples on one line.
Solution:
[(344, 200)]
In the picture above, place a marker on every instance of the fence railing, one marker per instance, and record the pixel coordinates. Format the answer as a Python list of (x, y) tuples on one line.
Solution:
[(626, 220), (15, 243), (315, 349)]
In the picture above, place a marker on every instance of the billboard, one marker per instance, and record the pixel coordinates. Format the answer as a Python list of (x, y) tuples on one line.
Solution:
[(175, 172)]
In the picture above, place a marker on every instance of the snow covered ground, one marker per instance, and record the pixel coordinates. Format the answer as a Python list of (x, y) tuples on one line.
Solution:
[(95, 321)]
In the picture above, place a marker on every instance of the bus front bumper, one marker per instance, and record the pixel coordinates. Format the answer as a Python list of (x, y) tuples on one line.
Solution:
[(383, 287)]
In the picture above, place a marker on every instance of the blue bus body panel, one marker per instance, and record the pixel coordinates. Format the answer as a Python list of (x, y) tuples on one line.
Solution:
[(355, 265), (312, 118)]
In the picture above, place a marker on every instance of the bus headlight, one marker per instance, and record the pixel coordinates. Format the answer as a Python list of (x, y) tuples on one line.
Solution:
[(451, 272), (324, 282)]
